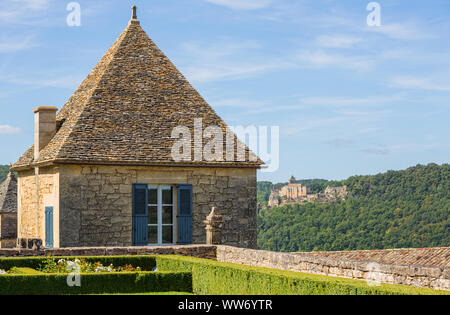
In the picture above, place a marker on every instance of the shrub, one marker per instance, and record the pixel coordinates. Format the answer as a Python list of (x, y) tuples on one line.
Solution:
[(125, 282), (212, 277), (146, 263)]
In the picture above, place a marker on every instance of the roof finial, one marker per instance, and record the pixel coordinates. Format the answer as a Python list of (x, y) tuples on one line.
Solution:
[(134, 19), (134, 12)]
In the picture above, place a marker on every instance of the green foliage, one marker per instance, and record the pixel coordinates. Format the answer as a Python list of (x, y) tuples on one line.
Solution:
[(96, 283), (216, 278), (188, 274), (146, 263), (4, 169), (397, 209), (68, 265)]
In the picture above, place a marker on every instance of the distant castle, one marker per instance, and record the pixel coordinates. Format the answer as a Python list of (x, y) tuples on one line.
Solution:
[(295, 192)]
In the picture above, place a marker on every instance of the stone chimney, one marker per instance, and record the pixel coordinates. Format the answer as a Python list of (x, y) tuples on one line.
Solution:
[(44, 127)]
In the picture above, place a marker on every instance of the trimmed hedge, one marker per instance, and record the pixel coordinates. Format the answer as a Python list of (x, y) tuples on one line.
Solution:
[(147, 263), (212, 277), (96, 283)]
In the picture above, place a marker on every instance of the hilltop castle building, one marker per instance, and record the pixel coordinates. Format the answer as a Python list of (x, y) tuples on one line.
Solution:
[(295, 192)]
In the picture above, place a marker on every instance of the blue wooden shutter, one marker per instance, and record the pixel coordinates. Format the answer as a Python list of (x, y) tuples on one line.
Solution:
[(140, 214), (184, 214), (49, 227)]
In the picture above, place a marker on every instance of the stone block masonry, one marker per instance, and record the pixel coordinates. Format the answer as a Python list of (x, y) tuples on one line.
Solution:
[(96, 202)]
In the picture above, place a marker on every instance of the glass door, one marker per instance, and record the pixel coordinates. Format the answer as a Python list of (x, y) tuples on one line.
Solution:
[(161, 215)]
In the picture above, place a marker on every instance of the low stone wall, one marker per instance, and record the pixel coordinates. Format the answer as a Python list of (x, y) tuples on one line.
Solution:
[(8, 243), (414, 275), (200, 251)]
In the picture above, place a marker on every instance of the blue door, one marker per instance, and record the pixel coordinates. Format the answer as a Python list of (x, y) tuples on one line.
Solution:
[(49, 227), (184, 216), (140, 214)]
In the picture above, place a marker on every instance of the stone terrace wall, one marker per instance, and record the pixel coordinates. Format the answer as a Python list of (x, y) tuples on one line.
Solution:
[(414, 275), (200, 251)]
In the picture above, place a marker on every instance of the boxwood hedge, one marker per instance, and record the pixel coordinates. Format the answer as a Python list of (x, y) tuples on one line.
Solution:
[(212, 277), (96, 283)]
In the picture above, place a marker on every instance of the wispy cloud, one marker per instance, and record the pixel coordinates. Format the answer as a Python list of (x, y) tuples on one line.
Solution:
[(9, 130), (402, 31), (419, 83), (340, 142), (64, 82), (12, 46), (401, 148), (337, 41), (237, 102), (226, 59), (242, 4), (22, 11), (322, 59)]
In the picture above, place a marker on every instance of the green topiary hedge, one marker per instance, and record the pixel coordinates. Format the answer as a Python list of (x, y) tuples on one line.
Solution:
[(212, 277), (123, 282)]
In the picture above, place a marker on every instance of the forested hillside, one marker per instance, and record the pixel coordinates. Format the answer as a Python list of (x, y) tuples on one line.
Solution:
[(409, 208), (4, 169)]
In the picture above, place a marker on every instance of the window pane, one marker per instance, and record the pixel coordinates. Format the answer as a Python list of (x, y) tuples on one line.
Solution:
[(167, 195), (153, 235), (167, 235), (152, 196), (152, 215), (167, 217)]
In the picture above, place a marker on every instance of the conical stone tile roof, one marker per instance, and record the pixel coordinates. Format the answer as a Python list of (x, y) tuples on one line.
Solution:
[(125, 110), (8, 194)]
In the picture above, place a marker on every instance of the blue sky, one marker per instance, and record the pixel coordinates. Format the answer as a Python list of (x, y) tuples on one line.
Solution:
[(349, 99)]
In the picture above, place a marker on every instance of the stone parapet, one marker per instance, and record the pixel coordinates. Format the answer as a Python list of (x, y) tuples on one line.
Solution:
[(200, 251), (433, 277)]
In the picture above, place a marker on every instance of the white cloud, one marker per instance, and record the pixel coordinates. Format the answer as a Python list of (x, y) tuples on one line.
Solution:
[(64, 82), (242, 4), (409, 82), (337, 41), (9, 130), (403, 31), (321, 59), (226, 59), (236, 102), (11, 46), (23, 11)]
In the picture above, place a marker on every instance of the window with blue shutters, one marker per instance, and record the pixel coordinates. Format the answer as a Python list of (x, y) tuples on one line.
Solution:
[(184, 217)]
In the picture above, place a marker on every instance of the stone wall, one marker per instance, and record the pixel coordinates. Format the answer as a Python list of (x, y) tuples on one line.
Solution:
[(96, 202), (414, 275), (200, 251), (8, 225), (35, 192), (27, 202)]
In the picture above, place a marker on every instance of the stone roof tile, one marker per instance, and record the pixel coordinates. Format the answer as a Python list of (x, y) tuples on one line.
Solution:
[(8, 194)]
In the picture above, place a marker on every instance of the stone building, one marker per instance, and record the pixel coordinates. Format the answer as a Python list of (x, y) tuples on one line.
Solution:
[(102, 172), (8, 212), (293, 191)]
